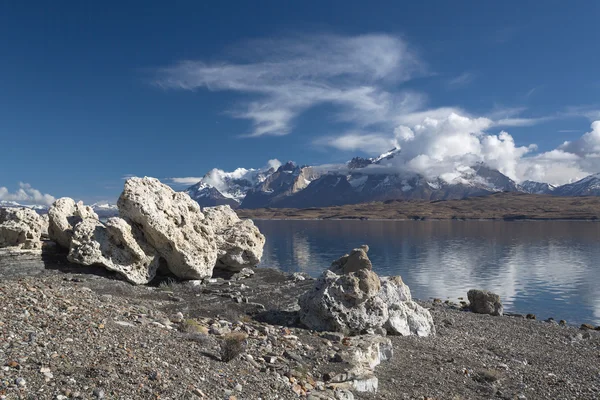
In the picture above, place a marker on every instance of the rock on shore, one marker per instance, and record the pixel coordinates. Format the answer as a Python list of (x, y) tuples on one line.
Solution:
[(484, 302), (157, 227), (63, 216), (350, 298), (118, 246), (21, 228)]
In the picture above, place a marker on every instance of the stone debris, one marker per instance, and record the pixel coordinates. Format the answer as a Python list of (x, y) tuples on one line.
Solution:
[(350, 298)]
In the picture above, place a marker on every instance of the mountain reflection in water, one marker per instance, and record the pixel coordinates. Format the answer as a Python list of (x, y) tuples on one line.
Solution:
[(547, 268)]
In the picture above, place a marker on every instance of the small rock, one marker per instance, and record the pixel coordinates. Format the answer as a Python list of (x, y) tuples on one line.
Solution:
[(530, 316), (21, 382), (587, 327), (98, 393)]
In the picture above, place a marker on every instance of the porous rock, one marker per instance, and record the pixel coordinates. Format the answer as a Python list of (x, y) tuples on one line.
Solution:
[(485, 302), (173, 224), (351, 298), (240, 243), (118, 246), (63, 216), (21, 228)]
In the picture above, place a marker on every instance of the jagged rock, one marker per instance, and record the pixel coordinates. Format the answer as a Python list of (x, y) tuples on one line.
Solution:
[(21, 228), (353, 262), (408, 318), (484, 302), (240, 243), (118, 246), (337, 303), (45, 223), (358, 301), (63, 216), (405, 316), (173, 224)]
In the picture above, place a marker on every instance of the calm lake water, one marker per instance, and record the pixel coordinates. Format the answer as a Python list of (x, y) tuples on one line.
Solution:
[(551, 269)]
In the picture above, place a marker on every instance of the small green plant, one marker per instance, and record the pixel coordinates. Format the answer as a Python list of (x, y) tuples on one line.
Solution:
[(233, 345), (167, 285)]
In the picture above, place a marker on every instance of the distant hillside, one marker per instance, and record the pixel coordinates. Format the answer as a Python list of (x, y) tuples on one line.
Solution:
[(500, 206)]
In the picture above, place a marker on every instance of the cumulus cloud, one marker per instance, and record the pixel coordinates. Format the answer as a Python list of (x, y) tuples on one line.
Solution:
[(571, 161), (26, 194), (289, 76), (220, 179), (446, 144)]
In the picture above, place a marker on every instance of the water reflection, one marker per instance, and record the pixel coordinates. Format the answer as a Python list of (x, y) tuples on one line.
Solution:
[(548, 268)]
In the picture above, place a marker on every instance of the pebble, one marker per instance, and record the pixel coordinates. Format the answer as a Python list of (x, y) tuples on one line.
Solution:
[(20, 382), (98, 393)]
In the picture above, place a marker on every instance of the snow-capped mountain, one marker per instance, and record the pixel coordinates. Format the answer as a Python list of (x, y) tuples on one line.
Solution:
[(208, 196), (218, 187), (39, 208), (104, 210), (588, 186), (533, 187), (360, 180)]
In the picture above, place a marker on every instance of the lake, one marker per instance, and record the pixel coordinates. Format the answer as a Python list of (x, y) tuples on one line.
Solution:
[(548, 268)]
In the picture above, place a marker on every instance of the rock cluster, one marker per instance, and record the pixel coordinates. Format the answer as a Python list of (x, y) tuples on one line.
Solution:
[(21, 228), (350, 298), (157, 227)]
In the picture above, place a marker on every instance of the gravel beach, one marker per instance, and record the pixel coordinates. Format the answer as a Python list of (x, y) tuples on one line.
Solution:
[(77, 332)]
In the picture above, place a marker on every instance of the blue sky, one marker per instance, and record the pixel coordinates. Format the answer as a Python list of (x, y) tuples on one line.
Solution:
[(91, 93)]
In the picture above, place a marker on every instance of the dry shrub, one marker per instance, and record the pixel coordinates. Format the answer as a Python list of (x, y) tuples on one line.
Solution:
[(233, 345), (192, 326)]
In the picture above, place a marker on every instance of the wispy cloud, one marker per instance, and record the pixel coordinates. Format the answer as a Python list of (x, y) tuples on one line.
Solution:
[(189, 180), (26, 194), (288, 76), (461, 80)]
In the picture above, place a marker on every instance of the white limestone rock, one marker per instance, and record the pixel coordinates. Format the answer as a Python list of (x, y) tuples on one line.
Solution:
[(173, 224), (118, 246), (63, 216), (351, 298), (20, 228), (344, 303), (240, 243)]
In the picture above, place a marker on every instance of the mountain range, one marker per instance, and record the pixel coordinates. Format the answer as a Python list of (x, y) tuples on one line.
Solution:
[(361, 180)]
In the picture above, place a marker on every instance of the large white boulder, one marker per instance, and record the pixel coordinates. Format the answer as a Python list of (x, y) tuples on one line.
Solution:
[(118, 246), (240, 243), (351, 298), (63, 216), (21, 228), (173, 224)]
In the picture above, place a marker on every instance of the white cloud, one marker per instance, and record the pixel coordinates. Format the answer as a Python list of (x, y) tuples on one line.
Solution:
[(461, 80), (26, 194), (188, 180), (221, 179), (446, 144), (289, 76)]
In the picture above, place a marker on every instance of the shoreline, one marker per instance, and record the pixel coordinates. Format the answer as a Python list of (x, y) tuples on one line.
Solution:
[(127, 338), (428, 219)]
